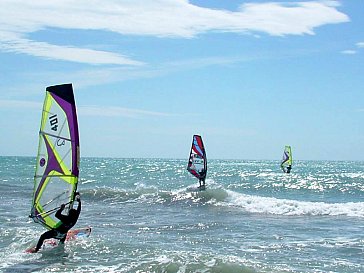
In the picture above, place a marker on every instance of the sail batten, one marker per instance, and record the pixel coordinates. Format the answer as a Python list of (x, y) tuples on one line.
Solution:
[(57, 166), (52, 135)]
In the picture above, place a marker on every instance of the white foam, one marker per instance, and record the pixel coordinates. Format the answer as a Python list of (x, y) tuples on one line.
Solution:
[(270, 205)]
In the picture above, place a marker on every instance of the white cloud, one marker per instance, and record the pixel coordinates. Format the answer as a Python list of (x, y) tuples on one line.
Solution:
[(360, 44), (90, 110), (349, 52), (114, 111), (352, 51), (66, 53), (290, 19), (160, 18)]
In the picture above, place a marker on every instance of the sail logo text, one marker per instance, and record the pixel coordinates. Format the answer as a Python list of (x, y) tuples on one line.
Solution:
[(198, 161), (61, 142), (54, 122)]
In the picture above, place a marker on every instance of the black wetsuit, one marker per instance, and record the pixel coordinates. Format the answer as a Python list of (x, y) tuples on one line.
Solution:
[(202, 178), (68, 221)]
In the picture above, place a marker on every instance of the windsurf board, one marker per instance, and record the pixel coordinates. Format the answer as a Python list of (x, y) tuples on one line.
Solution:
[(72, 235)]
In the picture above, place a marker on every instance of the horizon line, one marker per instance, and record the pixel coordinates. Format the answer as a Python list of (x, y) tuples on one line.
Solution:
[(171, 158)]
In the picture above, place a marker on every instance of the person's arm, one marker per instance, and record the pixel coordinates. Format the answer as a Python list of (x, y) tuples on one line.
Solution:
[(78, 199), (59, 214)]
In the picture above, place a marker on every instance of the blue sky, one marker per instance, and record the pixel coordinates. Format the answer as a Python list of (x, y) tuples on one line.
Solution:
[(249, 76)]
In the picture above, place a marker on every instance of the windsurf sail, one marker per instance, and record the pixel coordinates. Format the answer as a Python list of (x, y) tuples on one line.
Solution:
[(286, 163), (57, 166), (197, 163)]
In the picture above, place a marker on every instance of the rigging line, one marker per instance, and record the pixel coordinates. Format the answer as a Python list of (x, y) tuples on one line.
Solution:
[(57, 197)]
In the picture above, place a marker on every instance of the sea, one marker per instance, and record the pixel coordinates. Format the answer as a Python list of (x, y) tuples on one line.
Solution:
[(147, 215)]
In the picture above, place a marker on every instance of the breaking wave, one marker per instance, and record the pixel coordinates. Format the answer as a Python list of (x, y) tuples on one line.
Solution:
[(218, 196)]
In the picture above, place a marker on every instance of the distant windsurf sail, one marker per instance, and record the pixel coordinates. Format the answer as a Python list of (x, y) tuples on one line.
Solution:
[(286, 163), (197, 163), (56, 174)]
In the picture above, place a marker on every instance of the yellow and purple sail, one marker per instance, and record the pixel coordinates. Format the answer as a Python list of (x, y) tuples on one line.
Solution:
[(286, 163), (57, 168), (197, 163)]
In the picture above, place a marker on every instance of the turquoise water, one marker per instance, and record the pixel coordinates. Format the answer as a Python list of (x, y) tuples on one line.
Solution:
[(146, 217)]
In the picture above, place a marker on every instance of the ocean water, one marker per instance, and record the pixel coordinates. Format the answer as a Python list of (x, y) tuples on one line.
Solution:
[(146, 217)]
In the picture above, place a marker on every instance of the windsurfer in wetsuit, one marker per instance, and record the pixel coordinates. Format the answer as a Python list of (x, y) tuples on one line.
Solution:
[(68, 221), (202, 178), (289, 167)]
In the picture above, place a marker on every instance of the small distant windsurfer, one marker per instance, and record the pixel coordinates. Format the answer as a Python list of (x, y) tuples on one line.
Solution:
[(287, 169), (202, 178), (68, 221)]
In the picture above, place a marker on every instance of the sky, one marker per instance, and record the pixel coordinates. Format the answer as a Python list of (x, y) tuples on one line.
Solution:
[(249, 76)]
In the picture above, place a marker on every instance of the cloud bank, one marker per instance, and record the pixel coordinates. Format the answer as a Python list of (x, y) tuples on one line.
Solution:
[(158, 18)]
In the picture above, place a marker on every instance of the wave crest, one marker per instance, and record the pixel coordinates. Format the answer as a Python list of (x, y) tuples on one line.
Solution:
[(270, 205)]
